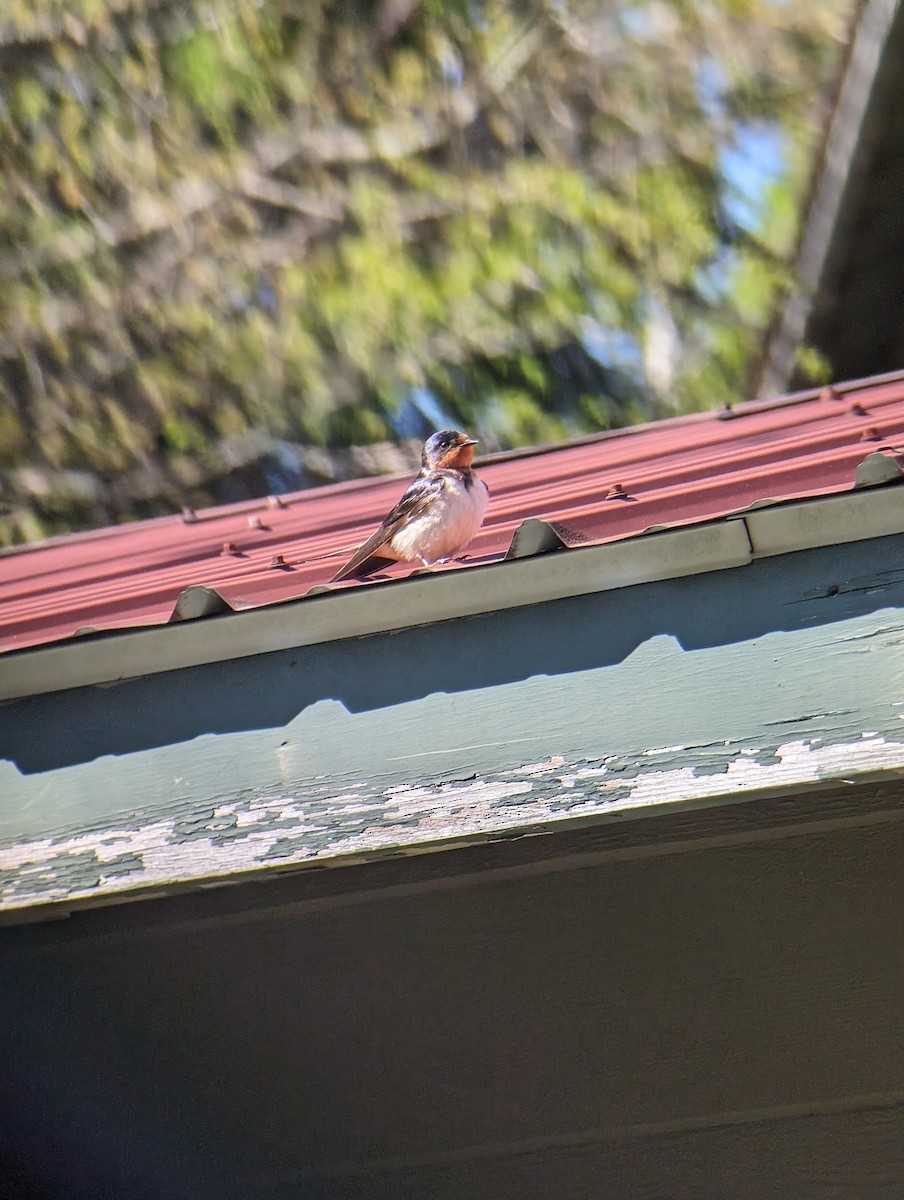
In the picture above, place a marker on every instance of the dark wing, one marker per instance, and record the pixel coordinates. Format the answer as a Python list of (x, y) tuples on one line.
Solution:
[(419, 496)]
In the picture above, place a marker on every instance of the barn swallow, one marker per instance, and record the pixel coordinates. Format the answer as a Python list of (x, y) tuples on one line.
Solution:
[(437, 516)]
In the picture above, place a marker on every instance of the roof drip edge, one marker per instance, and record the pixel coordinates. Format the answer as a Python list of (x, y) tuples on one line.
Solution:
[(433, 597)]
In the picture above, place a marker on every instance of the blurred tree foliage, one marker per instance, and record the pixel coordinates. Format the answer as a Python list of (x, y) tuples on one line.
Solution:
[(334, 222)]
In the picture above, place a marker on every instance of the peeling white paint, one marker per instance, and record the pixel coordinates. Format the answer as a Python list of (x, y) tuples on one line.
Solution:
[(543, 768), (401, 818)]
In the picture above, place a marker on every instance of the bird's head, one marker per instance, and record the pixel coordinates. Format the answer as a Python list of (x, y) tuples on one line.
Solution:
[(448, 449)]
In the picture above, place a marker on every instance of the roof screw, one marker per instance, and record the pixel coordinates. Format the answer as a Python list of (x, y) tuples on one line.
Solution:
[(229, 548), (276, 502), (857, 410), (188, 515), (256, 523), (871, 434), (617, 492), (830, 393), (278, 561)]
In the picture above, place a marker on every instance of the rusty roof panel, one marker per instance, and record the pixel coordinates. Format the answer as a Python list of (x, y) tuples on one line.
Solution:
[(612, 486)]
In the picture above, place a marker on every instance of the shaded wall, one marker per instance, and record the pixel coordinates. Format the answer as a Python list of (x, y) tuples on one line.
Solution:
[(701, 1005)]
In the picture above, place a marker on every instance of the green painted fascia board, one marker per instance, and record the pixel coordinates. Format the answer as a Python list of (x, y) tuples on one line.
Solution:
[(780, 676)]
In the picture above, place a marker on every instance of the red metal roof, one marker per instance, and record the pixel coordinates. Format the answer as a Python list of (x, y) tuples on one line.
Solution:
[(604, 488)]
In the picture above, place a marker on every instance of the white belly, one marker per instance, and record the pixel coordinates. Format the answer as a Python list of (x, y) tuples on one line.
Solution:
[(448, 527)]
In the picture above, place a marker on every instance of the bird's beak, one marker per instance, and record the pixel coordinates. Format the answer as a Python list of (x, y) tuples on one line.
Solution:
[(471, 442)]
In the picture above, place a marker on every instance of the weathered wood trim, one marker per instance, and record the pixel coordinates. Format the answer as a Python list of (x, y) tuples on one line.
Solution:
[(357, 825), (777, 677)]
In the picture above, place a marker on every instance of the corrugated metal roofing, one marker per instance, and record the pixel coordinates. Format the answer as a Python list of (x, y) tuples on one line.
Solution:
[(604, 488)]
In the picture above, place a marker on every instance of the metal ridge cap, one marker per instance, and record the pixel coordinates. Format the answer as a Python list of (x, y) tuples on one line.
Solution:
[(334, 615)]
